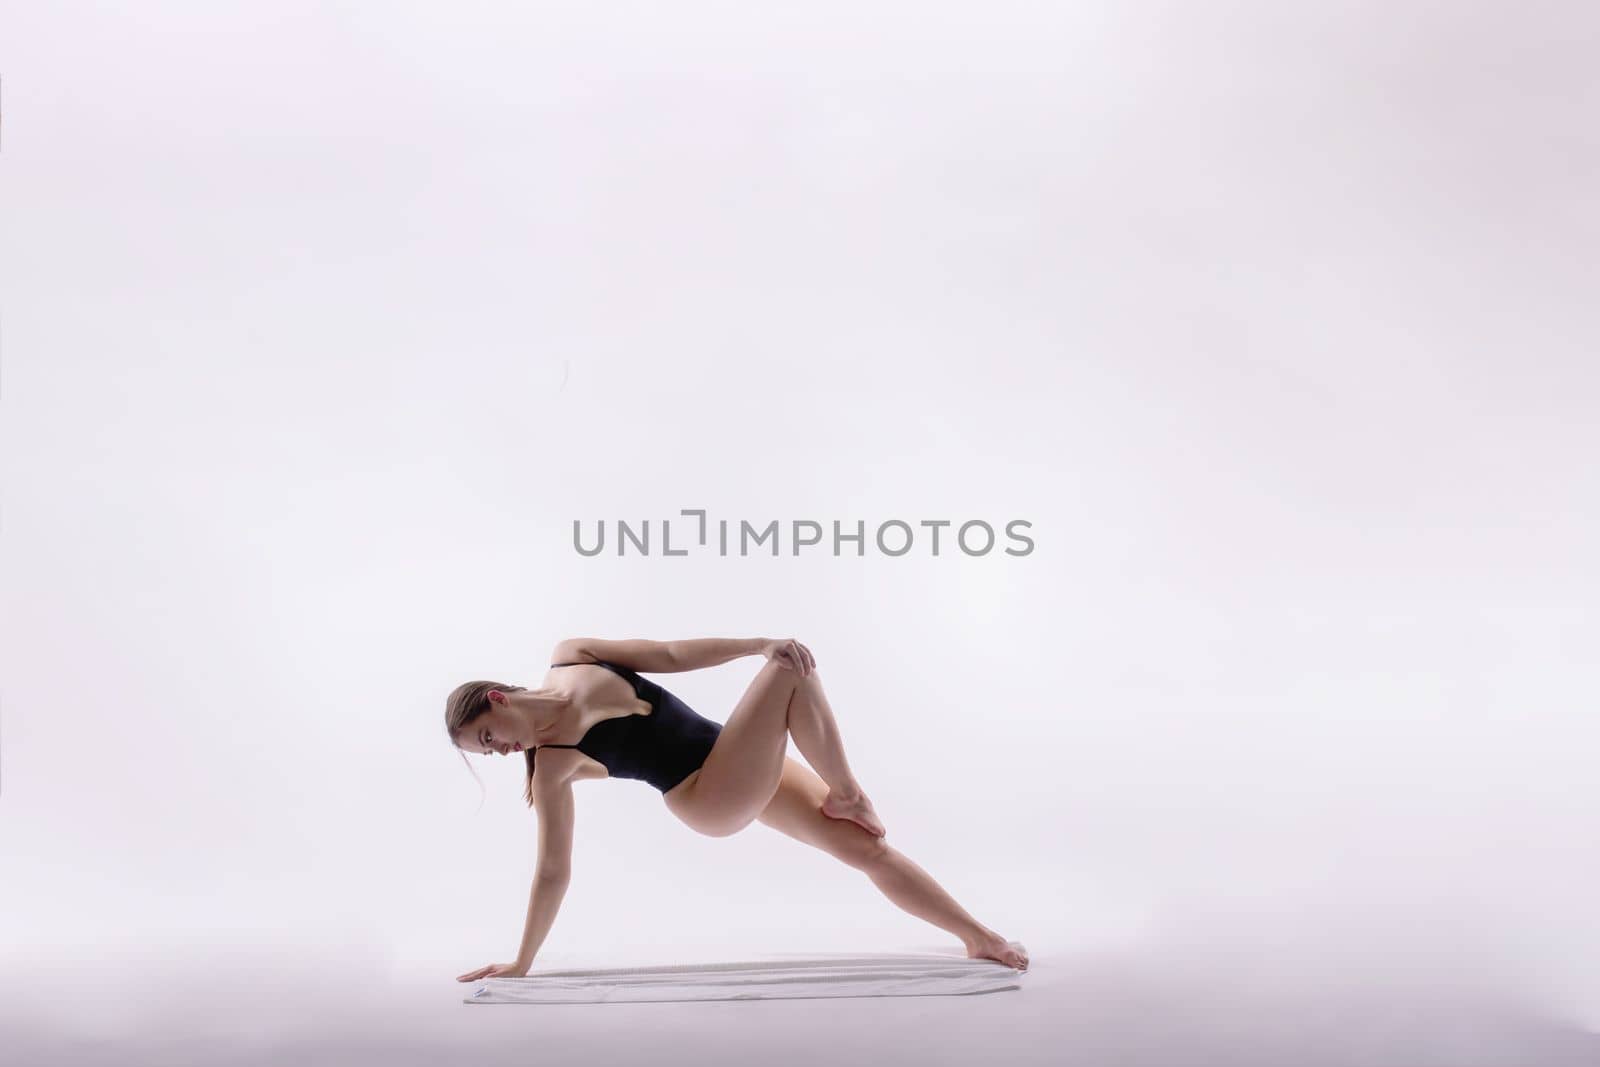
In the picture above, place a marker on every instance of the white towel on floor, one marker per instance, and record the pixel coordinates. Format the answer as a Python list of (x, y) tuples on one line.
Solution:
[(789, 976)]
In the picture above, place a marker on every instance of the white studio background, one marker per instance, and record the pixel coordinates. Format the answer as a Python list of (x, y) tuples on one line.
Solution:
[(321, 324)]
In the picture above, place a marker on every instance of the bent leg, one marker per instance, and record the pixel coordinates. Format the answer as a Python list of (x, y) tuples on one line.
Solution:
[(742, 770), (816, 735), (743, 767)]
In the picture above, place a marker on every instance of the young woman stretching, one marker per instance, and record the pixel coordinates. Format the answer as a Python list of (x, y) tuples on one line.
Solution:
[(595, 717)]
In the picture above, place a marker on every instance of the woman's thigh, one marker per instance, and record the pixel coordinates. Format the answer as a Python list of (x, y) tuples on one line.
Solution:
[(745, 764)]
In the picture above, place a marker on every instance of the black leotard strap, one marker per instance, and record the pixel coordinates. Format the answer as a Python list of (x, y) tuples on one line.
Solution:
[(663, 747), (578, 663)]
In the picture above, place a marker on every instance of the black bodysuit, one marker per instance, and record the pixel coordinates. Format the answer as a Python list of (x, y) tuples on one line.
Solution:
[(662, 748)]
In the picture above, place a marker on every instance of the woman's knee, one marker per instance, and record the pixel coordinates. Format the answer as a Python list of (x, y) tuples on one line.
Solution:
[(784, 677), (861, 850)]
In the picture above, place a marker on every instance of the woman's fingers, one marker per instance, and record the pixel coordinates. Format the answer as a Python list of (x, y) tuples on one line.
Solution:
[(802, 657), (494, 970), (795, 656)]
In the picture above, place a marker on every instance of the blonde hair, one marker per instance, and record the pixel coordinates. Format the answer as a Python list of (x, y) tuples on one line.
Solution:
[(466, 703)]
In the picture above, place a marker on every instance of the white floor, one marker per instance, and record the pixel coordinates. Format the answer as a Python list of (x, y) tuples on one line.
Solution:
[(1073, 1008)]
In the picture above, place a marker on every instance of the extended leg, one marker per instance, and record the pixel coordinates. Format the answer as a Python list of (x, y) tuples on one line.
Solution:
[(795, 810)]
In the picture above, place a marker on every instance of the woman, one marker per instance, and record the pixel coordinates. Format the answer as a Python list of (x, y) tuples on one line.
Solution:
[(595, 717)]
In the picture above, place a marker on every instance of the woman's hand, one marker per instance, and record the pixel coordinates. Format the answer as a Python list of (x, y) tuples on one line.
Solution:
[(496, 970), (791, 654)]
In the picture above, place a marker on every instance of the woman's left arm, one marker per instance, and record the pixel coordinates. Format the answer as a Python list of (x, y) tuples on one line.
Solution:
[(698, 652), (660, 657)]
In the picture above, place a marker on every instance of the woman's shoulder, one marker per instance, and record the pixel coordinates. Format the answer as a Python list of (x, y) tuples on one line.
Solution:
[(571, 650)]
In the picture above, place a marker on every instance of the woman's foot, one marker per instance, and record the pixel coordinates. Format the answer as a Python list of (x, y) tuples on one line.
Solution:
[(991, 946), (857, 808)]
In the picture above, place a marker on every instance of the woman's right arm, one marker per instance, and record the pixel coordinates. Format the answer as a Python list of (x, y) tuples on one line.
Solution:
[(543, 902), (552, 797), (542, 908)]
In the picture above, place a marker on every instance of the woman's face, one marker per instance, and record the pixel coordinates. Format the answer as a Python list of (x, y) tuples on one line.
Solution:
[(500, 729)]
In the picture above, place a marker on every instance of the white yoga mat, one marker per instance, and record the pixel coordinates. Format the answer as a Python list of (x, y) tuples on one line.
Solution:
[(790, 976)]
